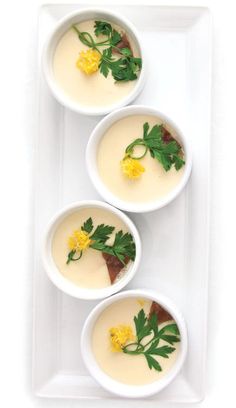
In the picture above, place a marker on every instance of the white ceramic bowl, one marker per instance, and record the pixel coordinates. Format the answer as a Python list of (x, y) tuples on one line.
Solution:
[(91, 160), (65, 284), (113, 386), (48, 53)]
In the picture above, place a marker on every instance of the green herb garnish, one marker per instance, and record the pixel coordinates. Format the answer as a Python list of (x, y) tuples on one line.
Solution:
[(88, 237), (167, 153), (150, 349), (124, 68)]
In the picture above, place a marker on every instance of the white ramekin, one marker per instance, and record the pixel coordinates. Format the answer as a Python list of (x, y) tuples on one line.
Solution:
[(65, 284), (91, 160), (116, 387), (49, 49)]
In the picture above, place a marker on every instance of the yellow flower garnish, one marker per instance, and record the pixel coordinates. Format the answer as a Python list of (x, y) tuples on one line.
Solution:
[(132, 168), (88, 61), (79, 241), (119, 336)]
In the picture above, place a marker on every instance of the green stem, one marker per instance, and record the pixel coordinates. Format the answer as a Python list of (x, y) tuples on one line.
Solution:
[(92, 43), (85, 38), (139, 348), (150, 341), (130, 149), (76, 259), (100, 44)]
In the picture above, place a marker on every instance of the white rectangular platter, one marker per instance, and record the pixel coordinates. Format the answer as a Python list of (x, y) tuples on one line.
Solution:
[(175, 239)]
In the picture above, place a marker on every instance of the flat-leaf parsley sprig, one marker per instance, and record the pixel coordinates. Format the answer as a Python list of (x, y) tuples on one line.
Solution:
[(161, 145), (88, 237), (142, 343), (123, 69)]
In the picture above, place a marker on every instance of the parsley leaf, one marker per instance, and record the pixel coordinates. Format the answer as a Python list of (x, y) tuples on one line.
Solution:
[(102, 233), (88, 226), (102, 27), (144, 327), (104, 66), (169, 339), (104, 69), (171, 328), (160, 351), (139, 322), (154, 135), (122, 248), (152, 363), (124, 245), (167, 153), (153, 323), (125, 51), (125, 68), (178, 162), (122, 69), (115, 37)]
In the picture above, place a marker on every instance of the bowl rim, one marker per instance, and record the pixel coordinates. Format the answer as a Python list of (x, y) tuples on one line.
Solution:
[(47, 57), (114, 386), (91, 159), (68, 286)]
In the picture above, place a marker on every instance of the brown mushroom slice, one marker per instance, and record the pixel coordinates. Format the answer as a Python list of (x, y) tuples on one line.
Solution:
[(162, 314), (114, 265), (123, 43), (167, 136)]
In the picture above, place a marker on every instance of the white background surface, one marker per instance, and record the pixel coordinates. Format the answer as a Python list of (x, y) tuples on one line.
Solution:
[(18, 24)]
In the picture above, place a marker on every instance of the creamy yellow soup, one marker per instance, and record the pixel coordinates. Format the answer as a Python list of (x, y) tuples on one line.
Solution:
[(90, 271), (89, 90), (125, 368), (155, 183)]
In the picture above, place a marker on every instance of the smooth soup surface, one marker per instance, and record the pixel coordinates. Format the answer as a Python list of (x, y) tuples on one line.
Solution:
[(154, 183), (91, 270), (91, 90), (118, 365)]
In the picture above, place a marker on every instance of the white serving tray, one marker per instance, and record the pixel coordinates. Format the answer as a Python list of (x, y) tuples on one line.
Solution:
[(175, 238)]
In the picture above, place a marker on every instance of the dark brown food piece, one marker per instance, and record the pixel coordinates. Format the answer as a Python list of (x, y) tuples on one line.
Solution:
[(162, 314), (123, 43), (114, 265), (167, 137)]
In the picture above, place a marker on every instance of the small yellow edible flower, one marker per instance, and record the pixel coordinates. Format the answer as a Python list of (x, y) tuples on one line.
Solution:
[(119, 336), (79, 241), (132, 168), (88, 61)]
